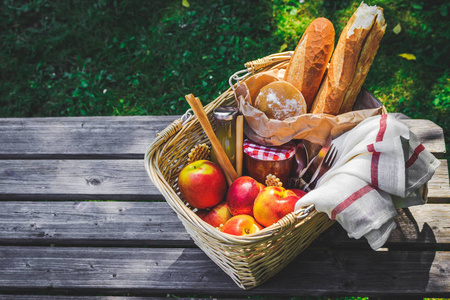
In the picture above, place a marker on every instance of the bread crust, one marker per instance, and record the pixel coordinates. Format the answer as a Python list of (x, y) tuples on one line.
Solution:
[(348, 67), (280, 100), (366, 58), (310, 59)]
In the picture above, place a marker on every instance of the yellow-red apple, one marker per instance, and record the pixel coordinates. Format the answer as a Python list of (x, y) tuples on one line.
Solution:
[(202, 184), (273, 203), (218, 215), (241, 225), (242, 194)]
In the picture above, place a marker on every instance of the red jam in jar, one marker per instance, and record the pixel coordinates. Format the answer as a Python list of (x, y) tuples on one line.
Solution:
[(260, 161)]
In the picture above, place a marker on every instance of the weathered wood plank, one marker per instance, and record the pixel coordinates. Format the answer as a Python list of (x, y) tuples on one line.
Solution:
[(106, 137), (124, 137), (112, 180), (439, 185), (156, 224), (91, 223), (163, 270), (76, 180)]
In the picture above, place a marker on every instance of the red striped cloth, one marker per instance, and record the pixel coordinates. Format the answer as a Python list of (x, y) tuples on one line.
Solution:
[(381, 166)]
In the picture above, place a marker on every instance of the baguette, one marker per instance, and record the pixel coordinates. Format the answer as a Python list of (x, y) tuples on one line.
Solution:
[(310, 59), (351, 61), (367, 56)]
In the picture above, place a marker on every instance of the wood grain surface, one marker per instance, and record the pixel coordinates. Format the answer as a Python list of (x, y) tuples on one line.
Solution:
[(91, 223), (57, 239), (171, 270), (112, 179), (79, 137), (123, 137)]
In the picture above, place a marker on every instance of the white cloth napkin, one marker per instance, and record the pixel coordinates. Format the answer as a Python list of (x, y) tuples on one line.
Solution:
[(381, 165)]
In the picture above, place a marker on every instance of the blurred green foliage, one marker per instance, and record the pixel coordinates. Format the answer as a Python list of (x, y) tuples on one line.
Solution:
[(71, 58)]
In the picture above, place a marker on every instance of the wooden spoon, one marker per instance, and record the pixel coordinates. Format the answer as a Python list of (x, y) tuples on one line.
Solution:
[(222, 157)]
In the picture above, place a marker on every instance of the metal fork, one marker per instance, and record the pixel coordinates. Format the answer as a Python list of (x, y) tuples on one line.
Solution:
[(328, 162)]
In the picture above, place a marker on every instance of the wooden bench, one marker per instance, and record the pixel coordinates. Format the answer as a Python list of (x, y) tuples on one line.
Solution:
[(80, 219)]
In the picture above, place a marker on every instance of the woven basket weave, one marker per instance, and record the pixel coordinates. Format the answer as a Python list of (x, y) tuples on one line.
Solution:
[(248, 260)]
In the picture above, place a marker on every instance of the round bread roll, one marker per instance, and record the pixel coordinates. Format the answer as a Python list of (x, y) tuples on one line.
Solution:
[(280, 100)]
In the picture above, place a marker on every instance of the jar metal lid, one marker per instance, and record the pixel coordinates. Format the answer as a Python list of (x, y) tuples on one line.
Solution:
[(225, 113), (270, 153)]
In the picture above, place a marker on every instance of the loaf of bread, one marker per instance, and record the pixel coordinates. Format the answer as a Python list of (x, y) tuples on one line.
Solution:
[(310, 59), (280, 100), (351, 61)]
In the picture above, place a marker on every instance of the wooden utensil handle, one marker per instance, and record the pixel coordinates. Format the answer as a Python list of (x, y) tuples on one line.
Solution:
[(239, 143), (222, 157)]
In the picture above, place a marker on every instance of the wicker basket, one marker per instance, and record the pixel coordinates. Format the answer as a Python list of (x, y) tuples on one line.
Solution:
[(248, 260)]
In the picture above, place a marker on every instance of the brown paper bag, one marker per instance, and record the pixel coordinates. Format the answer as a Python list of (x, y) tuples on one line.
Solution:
[(312, 127)]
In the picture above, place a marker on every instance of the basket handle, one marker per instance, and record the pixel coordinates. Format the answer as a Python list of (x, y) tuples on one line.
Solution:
[(170, 130), (175, 126), (303, 212), (259, 63), (291, 218), (254, 65)]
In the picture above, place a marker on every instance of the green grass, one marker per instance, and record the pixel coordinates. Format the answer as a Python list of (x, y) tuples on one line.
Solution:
[(72, 58)]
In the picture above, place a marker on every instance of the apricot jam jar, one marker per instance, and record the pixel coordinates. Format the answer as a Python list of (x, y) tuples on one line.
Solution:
[(260, 161)]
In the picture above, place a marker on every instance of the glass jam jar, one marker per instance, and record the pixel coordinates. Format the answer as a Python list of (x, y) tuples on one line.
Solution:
[(260, 161), (225, 120)]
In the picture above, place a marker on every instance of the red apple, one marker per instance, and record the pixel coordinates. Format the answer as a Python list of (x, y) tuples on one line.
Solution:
[(273, 203), (241, 225), (216, 216), (242, 194), (202, 184), (298, 192)]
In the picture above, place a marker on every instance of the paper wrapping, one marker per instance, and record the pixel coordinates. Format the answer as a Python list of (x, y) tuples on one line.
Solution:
[(311, 127)]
